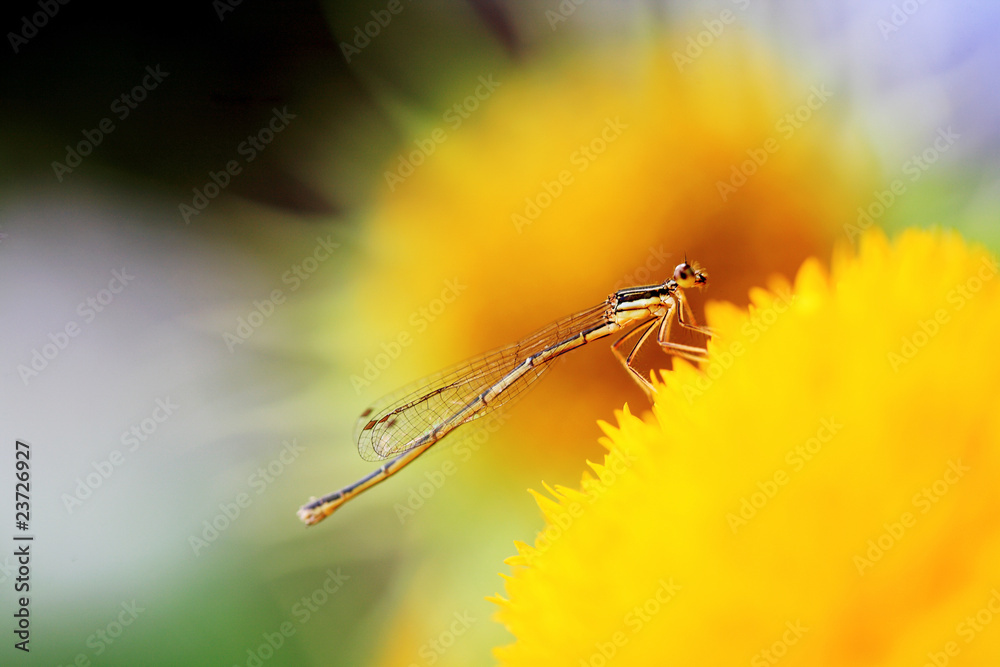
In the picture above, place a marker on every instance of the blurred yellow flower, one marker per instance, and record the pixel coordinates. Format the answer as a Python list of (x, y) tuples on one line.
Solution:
[(589, 172), (823, 492), (529, 192)]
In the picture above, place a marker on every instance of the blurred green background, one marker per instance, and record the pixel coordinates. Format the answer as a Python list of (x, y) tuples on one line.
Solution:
[(294, 238)]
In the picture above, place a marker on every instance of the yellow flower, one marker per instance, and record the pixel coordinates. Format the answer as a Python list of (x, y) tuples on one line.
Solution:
[(590, 172), (824, 492), (582, 171)]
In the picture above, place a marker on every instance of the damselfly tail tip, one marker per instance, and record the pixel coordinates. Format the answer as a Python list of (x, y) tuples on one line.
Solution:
[(312, 513)]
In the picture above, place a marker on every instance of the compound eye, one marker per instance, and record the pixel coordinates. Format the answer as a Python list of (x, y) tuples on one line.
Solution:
[(683, 274)]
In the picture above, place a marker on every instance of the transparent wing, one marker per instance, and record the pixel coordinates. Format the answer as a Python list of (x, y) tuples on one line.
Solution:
[(405, 418)]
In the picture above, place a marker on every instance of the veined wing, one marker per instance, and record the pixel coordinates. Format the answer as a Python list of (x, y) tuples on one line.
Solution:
[(410, 416)]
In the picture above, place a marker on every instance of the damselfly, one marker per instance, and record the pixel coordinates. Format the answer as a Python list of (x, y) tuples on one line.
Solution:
[(407, 423)]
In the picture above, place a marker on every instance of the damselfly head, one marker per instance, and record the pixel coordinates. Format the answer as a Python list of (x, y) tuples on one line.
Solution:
[(690, 275)]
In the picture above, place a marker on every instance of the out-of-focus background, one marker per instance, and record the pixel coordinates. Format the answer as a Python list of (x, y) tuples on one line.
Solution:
[(227, 227)]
